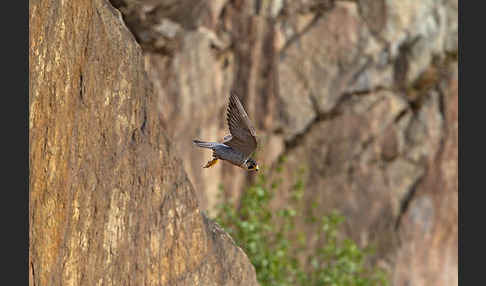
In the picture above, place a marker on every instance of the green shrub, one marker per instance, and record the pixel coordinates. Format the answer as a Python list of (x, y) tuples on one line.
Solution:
[(265, 236)]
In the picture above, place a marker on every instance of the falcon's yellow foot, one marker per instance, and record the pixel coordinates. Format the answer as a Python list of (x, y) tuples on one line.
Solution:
[(211, 163)]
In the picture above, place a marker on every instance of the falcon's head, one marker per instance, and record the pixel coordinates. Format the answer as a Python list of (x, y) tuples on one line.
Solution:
[(251, 165)]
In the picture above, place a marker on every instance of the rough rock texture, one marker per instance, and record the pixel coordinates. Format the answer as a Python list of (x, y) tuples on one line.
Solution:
[(430, 223), (361, 94), (390, 168), (110, 203)]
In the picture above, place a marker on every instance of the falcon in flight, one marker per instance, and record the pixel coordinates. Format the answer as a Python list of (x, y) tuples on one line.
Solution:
[(236, 147)]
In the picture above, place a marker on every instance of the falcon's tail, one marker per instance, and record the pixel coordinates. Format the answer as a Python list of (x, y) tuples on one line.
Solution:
[(203, 144)]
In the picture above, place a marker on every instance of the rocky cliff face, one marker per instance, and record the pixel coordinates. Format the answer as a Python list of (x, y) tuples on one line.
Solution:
[(110, 203), (361, 94)]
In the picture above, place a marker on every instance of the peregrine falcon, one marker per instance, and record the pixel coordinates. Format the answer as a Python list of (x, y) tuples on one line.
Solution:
[(236, 147)]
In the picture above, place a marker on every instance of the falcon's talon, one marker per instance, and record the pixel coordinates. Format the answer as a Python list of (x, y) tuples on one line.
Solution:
[(237, 146), (211, 163)]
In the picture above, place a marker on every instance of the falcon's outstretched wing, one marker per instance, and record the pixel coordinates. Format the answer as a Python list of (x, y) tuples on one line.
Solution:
[(243, 136)]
